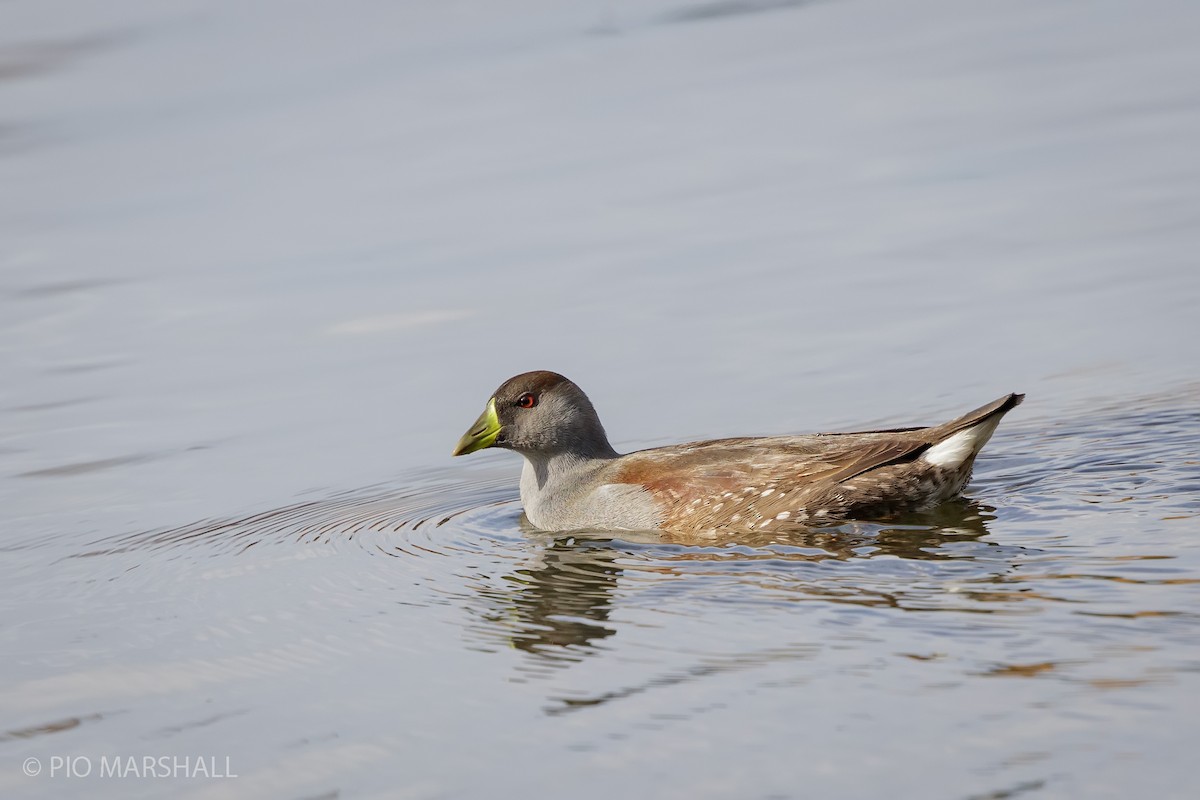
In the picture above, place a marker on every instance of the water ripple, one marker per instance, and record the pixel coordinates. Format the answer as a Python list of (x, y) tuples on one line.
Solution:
[(559, 599)]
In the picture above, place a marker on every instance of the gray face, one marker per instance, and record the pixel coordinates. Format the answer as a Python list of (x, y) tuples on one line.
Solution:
[(544, 413)]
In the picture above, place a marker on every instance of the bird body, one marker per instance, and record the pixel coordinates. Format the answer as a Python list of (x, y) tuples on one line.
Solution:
[(574, 479)]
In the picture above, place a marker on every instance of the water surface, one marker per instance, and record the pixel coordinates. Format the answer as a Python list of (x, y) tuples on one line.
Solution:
[(261, 263)]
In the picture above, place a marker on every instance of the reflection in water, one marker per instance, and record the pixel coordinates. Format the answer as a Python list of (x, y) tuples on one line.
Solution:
[(556, 604), (616, 638), (919, 535)]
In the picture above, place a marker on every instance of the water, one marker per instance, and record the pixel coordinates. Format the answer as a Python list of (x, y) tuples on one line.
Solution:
[(262, 263)]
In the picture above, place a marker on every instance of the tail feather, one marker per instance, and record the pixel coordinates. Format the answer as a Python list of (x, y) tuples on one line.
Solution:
[(959, 440), (997, 407)]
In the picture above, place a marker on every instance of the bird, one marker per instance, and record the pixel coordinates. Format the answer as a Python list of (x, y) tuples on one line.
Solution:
[(573, 479)]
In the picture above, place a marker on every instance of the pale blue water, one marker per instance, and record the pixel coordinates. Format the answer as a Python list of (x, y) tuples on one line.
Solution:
[(261, 263)]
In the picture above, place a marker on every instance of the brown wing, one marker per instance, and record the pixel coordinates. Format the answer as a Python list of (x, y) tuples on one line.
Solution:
[(755, 481), (896, 477), (735, 482), (885, 451)]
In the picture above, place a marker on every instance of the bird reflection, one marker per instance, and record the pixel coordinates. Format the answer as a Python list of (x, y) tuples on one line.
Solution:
[(556, 606), (919, 535)]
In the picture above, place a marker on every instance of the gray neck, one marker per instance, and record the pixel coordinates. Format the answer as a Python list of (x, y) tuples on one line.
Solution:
[(550, 483), (547, 469)]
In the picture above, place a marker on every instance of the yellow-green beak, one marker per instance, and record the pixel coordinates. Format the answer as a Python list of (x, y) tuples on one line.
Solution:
[(482, 433)]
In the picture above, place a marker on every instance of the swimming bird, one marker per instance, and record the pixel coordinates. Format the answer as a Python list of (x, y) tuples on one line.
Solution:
[(574, 479)]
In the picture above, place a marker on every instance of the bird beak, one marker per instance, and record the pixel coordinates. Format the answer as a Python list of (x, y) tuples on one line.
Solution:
[(482, 433)]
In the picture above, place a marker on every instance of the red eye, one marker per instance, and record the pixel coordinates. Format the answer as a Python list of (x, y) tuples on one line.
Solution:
[(526, 400)]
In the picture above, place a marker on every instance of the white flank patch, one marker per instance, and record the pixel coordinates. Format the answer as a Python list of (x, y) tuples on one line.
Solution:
[(958, 448)]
